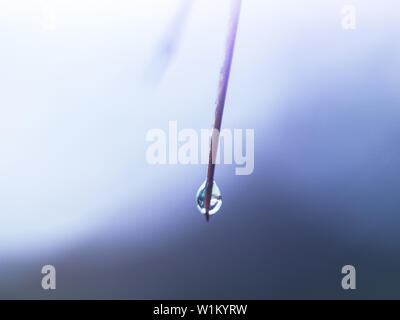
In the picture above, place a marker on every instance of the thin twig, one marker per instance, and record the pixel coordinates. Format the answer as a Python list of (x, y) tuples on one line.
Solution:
[(219, 110)]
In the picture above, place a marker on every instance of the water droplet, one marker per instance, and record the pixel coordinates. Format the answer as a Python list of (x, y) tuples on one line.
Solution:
[(216, 199)]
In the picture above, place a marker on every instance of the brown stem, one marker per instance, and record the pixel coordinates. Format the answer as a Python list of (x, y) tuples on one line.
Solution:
[(219, 110)]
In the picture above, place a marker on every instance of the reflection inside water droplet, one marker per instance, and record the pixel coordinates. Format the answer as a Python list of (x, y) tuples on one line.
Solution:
[(216, 199)]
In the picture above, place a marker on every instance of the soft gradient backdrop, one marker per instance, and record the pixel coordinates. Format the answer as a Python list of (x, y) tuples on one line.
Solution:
[(79, 90)]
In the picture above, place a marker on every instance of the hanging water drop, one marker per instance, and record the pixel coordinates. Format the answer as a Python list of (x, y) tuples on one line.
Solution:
[(216, 199), (208, 198)]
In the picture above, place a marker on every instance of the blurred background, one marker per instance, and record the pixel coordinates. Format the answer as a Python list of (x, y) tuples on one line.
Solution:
[(82, 82)]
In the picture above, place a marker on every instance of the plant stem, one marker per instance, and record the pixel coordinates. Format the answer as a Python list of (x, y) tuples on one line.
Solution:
[(219, 110)]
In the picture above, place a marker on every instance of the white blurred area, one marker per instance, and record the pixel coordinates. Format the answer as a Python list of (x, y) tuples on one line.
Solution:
[(74, 108), (74, 112)]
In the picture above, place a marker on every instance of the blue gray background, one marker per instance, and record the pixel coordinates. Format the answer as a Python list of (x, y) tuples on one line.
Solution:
[(76, 191)]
